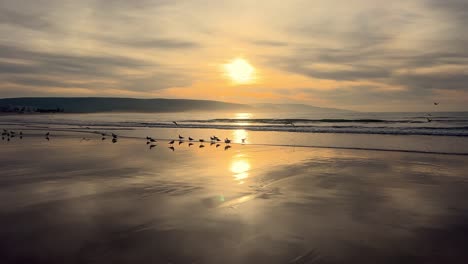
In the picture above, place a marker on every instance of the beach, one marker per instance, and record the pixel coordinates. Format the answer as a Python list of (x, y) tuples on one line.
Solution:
[(76, 198)]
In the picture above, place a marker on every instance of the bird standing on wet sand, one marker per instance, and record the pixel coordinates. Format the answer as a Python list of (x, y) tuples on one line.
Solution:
[(181, 137), (243, 140), (201, 140), (172, 148), (189, 138), (152, 146), (114, 135), (227, 141), (47, 134), (171, 142), (227, 147), (436, 103), (190, 144)]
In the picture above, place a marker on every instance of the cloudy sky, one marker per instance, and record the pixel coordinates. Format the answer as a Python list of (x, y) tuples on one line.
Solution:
[(369, 55)]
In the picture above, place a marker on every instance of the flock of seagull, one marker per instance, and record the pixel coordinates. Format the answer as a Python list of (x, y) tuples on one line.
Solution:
[(151, 142), (214, 140)]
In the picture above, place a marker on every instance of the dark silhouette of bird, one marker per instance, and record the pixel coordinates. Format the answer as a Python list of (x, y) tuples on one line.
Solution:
[(217, 145), (171, 142), (189, 138), (201, 146), (47, 138), (227, 141), (227, 147), (436, 103), (114, 135), (103, 134), (152, 146), (172, 148), (103, 138), (152, 140), (212, 143), (47, 134), (175, 123), (428, 119), (190, 144), (181, 137), (201, 140), (217, 139), (114, 140), (148, 138)]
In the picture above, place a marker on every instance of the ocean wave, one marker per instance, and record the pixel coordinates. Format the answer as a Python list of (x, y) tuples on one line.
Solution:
[(460, 131)]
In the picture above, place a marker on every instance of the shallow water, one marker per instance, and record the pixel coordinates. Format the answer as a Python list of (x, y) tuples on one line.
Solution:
[(75, 200)]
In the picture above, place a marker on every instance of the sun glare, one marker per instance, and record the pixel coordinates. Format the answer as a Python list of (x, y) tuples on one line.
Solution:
[(240, 71)]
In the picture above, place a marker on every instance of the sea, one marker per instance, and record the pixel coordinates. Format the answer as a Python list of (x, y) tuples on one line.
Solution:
[(436, 132)]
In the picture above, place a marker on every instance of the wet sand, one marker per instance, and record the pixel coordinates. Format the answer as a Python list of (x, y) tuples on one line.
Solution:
[(70, 200)]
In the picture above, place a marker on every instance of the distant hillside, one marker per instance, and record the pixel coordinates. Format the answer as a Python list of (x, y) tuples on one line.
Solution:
[(98, 104), (103, 104), (297, 108)]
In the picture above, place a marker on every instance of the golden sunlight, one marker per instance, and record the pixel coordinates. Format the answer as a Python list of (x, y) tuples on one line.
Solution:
[(240, 71)]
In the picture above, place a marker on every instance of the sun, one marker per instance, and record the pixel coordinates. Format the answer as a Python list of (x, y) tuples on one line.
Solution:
[(240, 71)]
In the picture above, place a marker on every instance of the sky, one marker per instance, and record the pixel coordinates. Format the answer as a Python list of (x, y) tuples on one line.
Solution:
[(365, 55)]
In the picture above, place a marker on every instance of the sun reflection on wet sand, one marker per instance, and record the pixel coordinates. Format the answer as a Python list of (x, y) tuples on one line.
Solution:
[(240, 167), (239, 134)]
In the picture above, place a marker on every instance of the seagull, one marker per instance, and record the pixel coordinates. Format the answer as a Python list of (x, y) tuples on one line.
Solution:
[(190, 144), (428, 119), (181, 137), (202, 146), (227, 147), (103, 138), (201, 140), (152, 140), (152, 146), (171, 142), (243, 140), (114, 140), (212, 143), (114, 135), (217, 145), (216, 138), (148, 138), (47, 134), (227, 141), (172, 148), (436, 103), (181, 142), (175, 123), (103, 134), (189, 138)]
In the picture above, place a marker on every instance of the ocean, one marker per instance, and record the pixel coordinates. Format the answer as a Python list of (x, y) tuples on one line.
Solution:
[(438, 132)]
